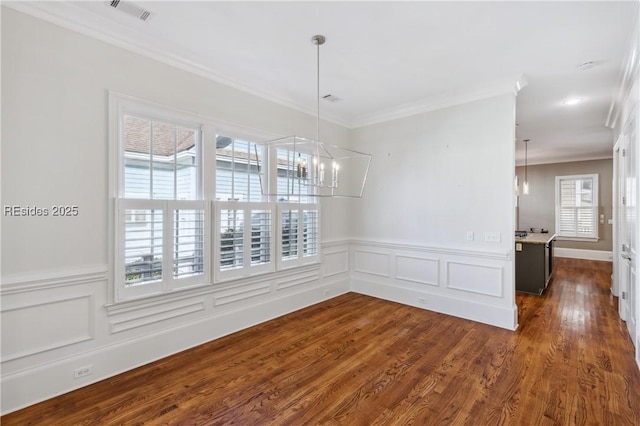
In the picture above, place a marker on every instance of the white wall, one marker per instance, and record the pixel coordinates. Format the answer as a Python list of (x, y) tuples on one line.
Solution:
[(434, 178)]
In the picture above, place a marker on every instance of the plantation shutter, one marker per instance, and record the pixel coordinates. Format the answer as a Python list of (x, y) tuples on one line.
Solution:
[(577, 206)]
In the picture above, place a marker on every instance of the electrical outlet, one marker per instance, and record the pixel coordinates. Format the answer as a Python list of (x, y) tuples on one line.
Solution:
[(422, 300), (326, 291), (469, 235), (82, 372)]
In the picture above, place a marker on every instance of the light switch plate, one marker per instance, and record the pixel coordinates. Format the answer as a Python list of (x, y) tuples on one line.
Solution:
[(492, 237)]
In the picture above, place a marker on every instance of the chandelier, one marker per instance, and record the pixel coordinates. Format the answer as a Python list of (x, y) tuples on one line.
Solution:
[(312, 168)]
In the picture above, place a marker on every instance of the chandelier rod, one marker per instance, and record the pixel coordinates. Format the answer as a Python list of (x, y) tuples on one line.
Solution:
[(318, 40)]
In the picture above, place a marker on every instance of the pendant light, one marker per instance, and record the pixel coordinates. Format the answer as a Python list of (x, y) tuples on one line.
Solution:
[(525, 184)]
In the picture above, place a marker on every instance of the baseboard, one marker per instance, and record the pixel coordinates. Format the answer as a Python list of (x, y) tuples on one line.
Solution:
[(27, 387), (603, 255), (496, 315)]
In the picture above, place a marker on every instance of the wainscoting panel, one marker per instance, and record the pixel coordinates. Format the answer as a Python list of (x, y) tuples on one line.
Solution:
[(372, 262), (296, 280), (154, 316), (335, 262), (31, 329), (475, 278), (241, 292), (472, 284), (416, 269)]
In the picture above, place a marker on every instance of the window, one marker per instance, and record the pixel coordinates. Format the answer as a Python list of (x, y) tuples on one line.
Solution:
[(162, 220), (190, 211), (577, 207), (244, 223), (237, 177)]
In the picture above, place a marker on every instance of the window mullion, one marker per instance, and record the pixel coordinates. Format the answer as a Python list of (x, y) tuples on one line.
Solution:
[(175, 162), (151, 168), (167, 244), (246, 239)]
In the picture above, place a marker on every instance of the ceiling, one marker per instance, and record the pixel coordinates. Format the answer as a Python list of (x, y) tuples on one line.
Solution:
[(391, 59)]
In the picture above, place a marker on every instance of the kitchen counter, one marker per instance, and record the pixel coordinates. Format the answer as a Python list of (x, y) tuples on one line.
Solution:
[(534, 262), (533, 238)]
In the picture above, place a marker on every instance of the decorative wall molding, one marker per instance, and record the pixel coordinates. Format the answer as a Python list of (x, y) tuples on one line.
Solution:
[(465, 95), (118, 325), (628, 77), (474, 278), (85, 22), (33, 328), (241, 292), (498, 315), (413, 268), (14, 284), (396, 246), (297, 280), (335, 263), (475, 285), (371, 262)]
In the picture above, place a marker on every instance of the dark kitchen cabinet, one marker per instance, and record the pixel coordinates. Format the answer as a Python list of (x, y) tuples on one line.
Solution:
[(534, 262)]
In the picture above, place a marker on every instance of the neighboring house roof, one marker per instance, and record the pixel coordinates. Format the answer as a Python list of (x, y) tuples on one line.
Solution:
[(167, 138)]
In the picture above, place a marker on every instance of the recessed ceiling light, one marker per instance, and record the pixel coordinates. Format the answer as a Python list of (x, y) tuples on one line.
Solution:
[(572, 101)]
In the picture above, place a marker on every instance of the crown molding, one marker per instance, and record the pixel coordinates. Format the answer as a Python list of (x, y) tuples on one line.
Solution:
[(569, 158), (74, 18), (629, 74), (59, 13), (512, 84)]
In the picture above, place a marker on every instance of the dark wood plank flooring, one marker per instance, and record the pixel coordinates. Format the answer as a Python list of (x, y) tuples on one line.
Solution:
[(357, 360)]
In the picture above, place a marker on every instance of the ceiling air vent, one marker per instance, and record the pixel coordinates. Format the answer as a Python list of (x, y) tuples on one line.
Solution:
[(130, 9), (331, 98)]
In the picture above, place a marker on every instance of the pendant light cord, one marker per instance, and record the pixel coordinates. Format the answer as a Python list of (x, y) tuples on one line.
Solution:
[(318, 40), (525, 160)]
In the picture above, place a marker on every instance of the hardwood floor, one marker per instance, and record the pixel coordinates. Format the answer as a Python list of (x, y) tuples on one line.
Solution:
[(357, 360)]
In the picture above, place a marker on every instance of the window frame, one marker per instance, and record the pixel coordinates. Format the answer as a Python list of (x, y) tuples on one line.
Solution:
[(594, 237), (119, 107)]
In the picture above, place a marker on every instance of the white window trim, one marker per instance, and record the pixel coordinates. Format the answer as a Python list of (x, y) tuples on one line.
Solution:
[(595, 207)]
